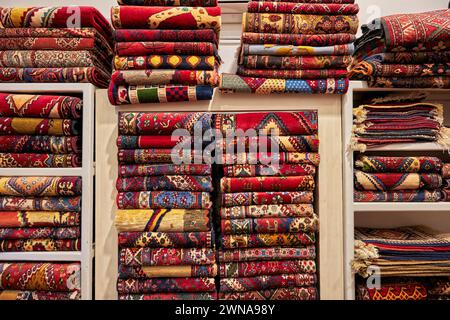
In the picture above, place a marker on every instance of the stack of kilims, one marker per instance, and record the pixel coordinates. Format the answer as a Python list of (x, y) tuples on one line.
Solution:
[(40, 131), (446, 183), (405, 51), (40, 281), (295, 47), (55, 44), (166, 248), (40, 213), (165, 52), (268, 224), (397, 179)]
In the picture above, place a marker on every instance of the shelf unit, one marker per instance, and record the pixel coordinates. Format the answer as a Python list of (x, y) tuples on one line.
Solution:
[(387, 214), (86, 172)]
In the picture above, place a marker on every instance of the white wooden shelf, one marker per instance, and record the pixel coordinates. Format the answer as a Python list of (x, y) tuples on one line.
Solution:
[(401, 207), (74, 172), (42, 256)]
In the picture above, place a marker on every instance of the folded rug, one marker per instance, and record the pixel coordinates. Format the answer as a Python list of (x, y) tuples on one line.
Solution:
[(268, 158), (396, 181), (39, 160), (170, 240), (259, 198), (164, 76), (163, 199), (440, 287), (263, 254), (293, 74), (162, 220), (315, 40), (38, 126), (269, 225), (28, 219), (446, 170), (189, 62), (442, 82), (298, 293), (41, 43), (393, 291), (309, 8), (266, 268), (250, 170), (376, 164), (411, 57), (41, 144), (40, 276), (167, 285), (180, 271), (168, 296), (267, 240), (295, 63), (40, 233), (40, 204), (39, 295), (289, 183), (148, 156), (40, 186), (166, 183), (160, 35), (52, 32), (46, 244), (167, 48), (232, 83), (268, 211), (290, 50), (170, 3), (164, 169), (398, 196), (299, 23), (154, 141), (166, 256), (243, 284)]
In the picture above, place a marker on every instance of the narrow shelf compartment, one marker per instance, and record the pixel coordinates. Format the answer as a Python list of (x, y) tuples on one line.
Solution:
[(42, 256)]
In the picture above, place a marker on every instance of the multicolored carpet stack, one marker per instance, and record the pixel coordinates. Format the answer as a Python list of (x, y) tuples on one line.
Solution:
[(267, 220), (397, 179), (55, 44), (405, 51), (166, 246), (40, 131), (40, 281), (446, 182), (295, 47), (166, 51)]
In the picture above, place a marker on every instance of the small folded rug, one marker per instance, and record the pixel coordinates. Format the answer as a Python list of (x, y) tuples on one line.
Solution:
[(309, 8), (47, 244), (269, 158), (40, 204), (282, 143), (40, 233), (393, 291), (166, 183), (291, 51), (398, 196), (268, 211), (243, 284), (165, 35), (315, 40), (164, 169), (296, 62), (249, 170), (269, 225), (39, 126), (396, 181), (40, 186), (165, 240), (39, 160), (166, 256), (34, 219), (266, 268), (190, 296), (149, 156), (180, 271), (41, 144), (163, 199), (438, 82), (264, 254), (189, 62), (297, 293), (21, 295), (292, 74), (260, 198), (289, 183), (169, 3), (164, 77), (152, 141), (380, 164), (166, 285), (267, 240), (143, 48)]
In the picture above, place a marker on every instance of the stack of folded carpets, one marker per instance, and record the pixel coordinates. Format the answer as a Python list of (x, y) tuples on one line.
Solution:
[(165, 52), (40, 213), (446, 183), (295, 47), (397, 179), (40, 281), (55, 44), (268, 223), (405, 51), (166, 248), (40, 131)]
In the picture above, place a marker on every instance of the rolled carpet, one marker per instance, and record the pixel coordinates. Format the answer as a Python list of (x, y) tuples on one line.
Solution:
[(40, 204), (282, 143), (379, 164), (267, 211), (166, 285), (439, 82), (47, 244), (169, 3), (166, 256), (296, 293), (398, 196), (39, 160), (167, 183), (396, 181), (165, 35), (250, 170), (144, 48), (272, 158), (40, 233), (393, 291), (314, 40), (292, 74), (178, 271), (163, 199), (309, 8), (30, 219), (148, 156), (40, 186), (243, 284), (153, 141), (165, 240), (164, 77), (266, 268), (41, 144), (293, 51), (270, 253), (189, 62), (289, 183), (260, 198), (39, 126), (164, 169), (295, 62), (267, 240), (269, 225), (21, 295), (170, 296)]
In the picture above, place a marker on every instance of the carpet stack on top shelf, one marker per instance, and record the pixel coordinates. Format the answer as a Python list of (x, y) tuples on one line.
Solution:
[(166, 248), (267, 220), (165, 52), (295, 47), (405, 51), (55, 44), (40, 281)]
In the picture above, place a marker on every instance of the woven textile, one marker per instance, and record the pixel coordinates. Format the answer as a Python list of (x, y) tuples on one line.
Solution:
[(267, 240), (28, 219), (163, 199), (259, 198), (192, 62), (166, 48), (288, 7), (446, 170), (180, 271), (160, 35), (164, 220), (421, 82), (394, 291), (283, 143), (411, 57), (39, 160), (60, 44), (268, 211), (269, 225), (40, 276), (167, 183), (170, 296), (170, 3), (440, 287), (166, 256), (243, 284), (46, 244), (298, 293), (40, 106), (296, 62), (145, 156), (396, 181), (291, 183), (165, 240), (58, 127), (271, 158), (168, 285), (232, 83), (293, 74), (292, 51), (40, 186), (40, 204), (40, 233), (33, 32), (155, 141), (376, 164), (164, 169), (263, 254), (258, 268), (41, 144), (319, 40), (249, 170), (398, 196), (39, 295), (164, 76)]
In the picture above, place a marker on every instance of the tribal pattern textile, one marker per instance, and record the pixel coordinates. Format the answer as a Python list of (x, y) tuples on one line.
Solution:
[(292, 51), (269, 225), (40, 276), (164, 169), (398, 196), (163, 199), (243, 284), (411, 57), (41, 144), (39, 295), (40, 186), (260, 198), (38, 126), (266, 268), (396, 181), (126, 49), (167, 285), (40, 106), (167, 183), (446, 170), (157, 94), (164, 76), (61, 44), (263, 254), (440, 287), (270, 158), (40, 245), (290, 183), (394, 291), (163, 220), (40, 204), (316, 40), (159, 35), (289, 7), (249, 170), (298, 293), (282, 143), (299, 23), (92, 75), (268, 211), (170, 240), (168, 296), (188, 62), (232, 83), (166, 256), (267, 240), (145, 156), (130, 17), (32, 32), (39, 160), (180, 271), (295, 62), (293, 74), (408, 82), (169, 3), (40, 233), (154, 141), (28, 219), (379, 164)]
